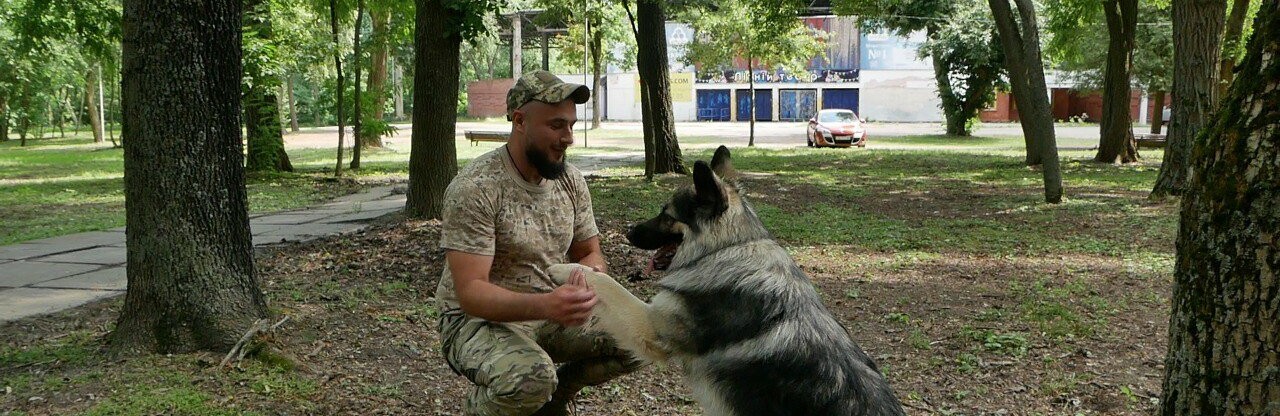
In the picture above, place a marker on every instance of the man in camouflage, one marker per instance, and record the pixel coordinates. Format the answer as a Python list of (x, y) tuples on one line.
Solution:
[(508, 215)]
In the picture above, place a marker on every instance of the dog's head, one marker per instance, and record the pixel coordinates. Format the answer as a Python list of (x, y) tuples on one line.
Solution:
[(708, 207)]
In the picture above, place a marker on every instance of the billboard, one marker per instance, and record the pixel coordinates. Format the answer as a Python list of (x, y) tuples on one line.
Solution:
[(887, 51)]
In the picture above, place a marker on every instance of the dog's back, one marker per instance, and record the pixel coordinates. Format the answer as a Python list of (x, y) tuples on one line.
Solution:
[(760, 342)]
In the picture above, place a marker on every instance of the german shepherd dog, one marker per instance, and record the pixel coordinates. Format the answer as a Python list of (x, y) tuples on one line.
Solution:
[(735, 312)]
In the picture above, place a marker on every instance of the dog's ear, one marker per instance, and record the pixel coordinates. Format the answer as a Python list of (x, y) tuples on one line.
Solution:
[(722, 164), (707, 188)]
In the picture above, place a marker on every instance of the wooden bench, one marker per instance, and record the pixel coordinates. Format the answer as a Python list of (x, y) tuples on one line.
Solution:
[(1152, 141), (486, 136)]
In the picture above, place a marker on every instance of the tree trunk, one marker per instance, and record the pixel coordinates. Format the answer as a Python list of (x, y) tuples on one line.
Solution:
[(1197, 25), (4, 119), (655, 79), (1157, 121), (317, 115), (1225, 320), (192, 283), (377, 85), (1231, 38), (261, 106), (433, 160), (751, 93), (397, 83), (357, 123), (597, 70), (1117, 144), (1020, 39), (293, 109), (93, 98), (337, 63)]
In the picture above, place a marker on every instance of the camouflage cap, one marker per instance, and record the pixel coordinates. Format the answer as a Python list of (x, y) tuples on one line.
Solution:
[(542, 86)]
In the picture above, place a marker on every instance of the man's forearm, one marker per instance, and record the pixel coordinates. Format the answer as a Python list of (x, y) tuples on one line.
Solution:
[(594, 260), (491, 302)]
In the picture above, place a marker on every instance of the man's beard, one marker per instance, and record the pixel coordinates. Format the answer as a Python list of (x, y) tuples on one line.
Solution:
[(543, 164)]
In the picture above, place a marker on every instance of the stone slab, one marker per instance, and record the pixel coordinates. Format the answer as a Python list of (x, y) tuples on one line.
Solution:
[(98, 255), (89, 239), (360, 216), (27, 301), (111, 278), (22, 273), (29, 250)]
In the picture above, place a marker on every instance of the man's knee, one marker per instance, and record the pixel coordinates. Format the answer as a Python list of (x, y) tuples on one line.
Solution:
[(526, 387)]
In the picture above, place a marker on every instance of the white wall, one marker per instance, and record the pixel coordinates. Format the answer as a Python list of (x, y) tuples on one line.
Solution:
[(624, 104), (900, 95)]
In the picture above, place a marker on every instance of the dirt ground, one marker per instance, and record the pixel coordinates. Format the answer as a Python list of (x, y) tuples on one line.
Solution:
[(955, 334)]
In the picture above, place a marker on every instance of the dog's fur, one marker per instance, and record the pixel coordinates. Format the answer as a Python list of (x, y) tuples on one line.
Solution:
[(736, 313)]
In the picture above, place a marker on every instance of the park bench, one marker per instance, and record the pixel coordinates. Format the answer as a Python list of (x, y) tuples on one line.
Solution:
[(1154, 141), (486, 136)]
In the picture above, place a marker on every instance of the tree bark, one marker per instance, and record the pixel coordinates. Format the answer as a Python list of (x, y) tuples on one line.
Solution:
[(1020, 39), (651, 61), (357, 123), (293, 108), (1197, 25), (380, 20), (1117, 144), (1230, 38), (397, 83), (191, 278), (1157, 121), (261, 106), (751, 98), (433, 160), (337, 63), (4, 118), (93, 98), (1224, 327)]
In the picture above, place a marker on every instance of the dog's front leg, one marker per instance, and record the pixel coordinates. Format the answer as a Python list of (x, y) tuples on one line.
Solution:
[(618, 313)]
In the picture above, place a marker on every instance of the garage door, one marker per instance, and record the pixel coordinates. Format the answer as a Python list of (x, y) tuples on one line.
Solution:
[(797, 105), (713, 105), (764, 105), (840, 98)]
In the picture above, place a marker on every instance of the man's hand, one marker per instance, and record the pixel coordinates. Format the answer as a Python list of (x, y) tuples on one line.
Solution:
[(570, 304)]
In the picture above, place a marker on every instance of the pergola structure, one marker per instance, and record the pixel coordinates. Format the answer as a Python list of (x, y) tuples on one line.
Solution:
[(521, 29)]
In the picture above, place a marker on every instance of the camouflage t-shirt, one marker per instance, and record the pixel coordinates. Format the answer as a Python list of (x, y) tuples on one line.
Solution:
[(489, 210)]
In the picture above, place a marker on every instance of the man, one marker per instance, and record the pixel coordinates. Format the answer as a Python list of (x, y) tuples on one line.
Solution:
[(508, 215)]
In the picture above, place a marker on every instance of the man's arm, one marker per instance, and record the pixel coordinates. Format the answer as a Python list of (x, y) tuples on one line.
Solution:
[(587, 253), (568, 305)]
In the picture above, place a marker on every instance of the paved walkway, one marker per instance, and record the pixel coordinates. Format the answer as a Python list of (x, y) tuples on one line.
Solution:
[(49, 275)]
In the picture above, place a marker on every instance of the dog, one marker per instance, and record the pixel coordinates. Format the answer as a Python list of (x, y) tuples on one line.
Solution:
[(735, 312)]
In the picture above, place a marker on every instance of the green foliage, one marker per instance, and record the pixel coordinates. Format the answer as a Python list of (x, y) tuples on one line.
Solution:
[(766, 34), (609, 29)]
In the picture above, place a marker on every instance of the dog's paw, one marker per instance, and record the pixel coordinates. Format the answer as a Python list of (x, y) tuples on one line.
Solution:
[(560, 272)]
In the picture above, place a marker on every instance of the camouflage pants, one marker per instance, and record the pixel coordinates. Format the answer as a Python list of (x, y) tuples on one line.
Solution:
[(513, 364)]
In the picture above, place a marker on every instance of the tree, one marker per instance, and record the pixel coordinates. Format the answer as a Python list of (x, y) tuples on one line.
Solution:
[(1117, 144), (192, 283), (356, 120), (1153, 58), (960, 40), (441, 25), (261, 81), (1223, 330), (1020, 38), (762, 33), (337, 65), (1231, 43), (608, 33), (662, 149), (1197, 26)]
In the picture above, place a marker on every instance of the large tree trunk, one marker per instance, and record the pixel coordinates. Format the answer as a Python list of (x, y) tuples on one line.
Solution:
[(1157, 120), (654, 78), (293, 101), (1231, 38), (433, 160), (357, 123), (261, 106), (337, 63), (1197, 25), (1225, 321), (381, 19), (93, 98), (1020, 38), (1117, 144), (192, 283), (397, 83)]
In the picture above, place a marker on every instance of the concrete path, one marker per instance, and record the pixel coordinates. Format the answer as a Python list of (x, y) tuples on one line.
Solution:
[(49, 275)]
